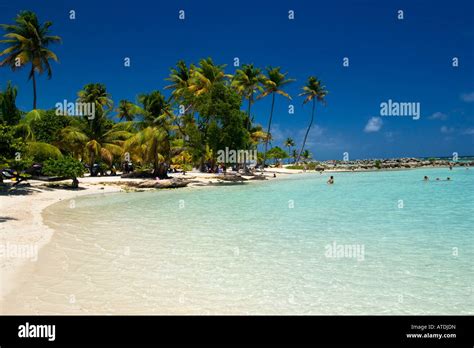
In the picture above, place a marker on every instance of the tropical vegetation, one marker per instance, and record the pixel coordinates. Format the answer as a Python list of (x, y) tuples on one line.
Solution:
[(207, 109)]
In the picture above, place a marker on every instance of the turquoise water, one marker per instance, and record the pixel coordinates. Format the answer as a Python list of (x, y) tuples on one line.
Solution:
[(263, 248)]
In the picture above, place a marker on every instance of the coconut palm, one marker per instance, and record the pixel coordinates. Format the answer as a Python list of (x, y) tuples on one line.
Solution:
[(313, 91), (248, 81), (96, 93), (205, 75), (150, 146), (98, 130), (257, 135), (28, 42), (152, 143), (78, 140), (274, 83), (294, 155), (289, 143), (306, 155), (180, 78), (127, 111), (35, 149)]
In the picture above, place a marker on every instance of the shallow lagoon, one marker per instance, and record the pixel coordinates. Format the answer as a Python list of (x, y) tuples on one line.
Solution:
[(263, 248)]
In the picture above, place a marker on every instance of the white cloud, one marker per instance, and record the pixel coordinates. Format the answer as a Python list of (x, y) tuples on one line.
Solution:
[(468, 97), (373, 125), (438, 116), (468, 131), (446, 130)]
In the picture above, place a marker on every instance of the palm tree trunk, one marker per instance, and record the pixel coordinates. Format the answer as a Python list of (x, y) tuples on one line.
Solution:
[(91, 163), (249, 125), (307, 131), (268, 130), (248, 108), (34, 87)]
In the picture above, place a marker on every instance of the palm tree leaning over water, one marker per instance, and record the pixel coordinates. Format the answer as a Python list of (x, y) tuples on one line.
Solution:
[(313, 91), (28, 42), (274, 83)]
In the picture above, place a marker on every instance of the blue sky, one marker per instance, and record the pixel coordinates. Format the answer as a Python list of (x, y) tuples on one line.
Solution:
[(407, 60)]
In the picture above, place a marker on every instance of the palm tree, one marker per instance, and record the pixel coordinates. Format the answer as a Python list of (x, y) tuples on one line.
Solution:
[(35, 149), (150, 146), (28, 42), (127, 111), (289, 143), (98, 128), (248, 81), (274, 83), (313, 91), (306, 154), (294, 155), (203, 78), (152, 143), (78, 140), (205, 75), (180, 78), (96, 93)]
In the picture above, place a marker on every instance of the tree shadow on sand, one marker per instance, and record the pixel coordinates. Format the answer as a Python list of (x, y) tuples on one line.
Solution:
[(66, 187), (6, 218), (26, 189), (19, 190)]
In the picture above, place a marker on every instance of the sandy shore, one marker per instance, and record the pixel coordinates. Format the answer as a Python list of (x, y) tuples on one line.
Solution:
[(22, 232)]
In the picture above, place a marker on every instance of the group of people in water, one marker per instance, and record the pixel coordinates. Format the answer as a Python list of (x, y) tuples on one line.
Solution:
[(425, 178)]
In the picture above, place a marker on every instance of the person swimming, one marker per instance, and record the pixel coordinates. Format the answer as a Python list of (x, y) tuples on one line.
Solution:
[(425, 178), (448, 178), (437, 179), (331, 180)]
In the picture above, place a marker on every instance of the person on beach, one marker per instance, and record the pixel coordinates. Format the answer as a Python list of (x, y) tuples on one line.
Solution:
[(274, 175), (331, 180)]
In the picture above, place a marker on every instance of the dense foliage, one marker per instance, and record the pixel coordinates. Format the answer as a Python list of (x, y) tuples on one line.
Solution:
[(66, 167), (207, 110)]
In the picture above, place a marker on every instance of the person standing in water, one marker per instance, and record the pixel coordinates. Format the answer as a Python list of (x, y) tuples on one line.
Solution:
[(331, 180)]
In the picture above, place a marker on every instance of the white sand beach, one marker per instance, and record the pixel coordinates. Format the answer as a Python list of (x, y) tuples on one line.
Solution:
[(22, 232)]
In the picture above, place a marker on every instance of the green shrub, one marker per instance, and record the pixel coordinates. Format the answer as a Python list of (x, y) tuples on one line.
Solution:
[(67, 167)]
